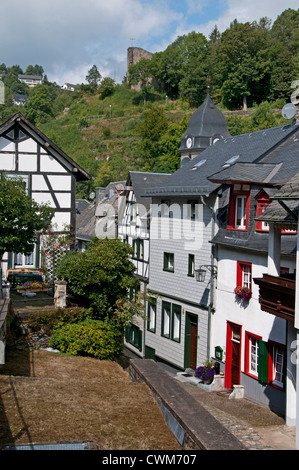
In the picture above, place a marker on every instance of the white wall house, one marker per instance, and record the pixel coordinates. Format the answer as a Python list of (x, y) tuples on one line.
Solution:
[(49, 174), (30, 80), (253, 342), (229, 183), (278, 293)]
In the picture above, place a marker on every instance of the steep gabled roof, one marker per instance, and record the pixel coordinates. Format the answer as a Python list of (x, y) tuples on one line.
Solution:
[(140, 181), (195, 177), (42, 139)]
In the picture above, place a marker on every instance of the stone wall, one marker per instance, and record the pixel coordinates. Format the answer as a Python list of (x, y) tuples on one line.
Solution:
[(134, 55)]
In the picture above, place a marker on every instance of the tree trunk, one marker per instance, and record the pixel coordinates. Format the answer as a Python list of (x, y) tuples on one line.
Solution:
[(244, 103)]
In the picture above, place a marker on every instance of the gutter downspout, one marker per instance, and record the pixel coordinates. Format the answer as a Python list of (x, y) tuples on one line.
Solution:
[(211, 307)]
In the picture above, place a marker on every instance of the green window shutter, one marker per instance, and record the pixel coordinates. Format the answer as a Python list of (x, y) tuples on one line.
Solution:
[(263, 362), (128, 333)]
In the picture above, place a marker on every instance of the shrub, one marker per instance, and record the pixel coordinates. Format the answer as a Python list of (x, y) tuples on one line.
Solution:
[(48, 319), (92, 338)]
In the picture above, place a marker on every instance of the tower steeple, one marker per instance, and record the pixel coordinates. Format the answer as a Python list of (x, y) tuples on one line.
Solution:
[(206, 125)]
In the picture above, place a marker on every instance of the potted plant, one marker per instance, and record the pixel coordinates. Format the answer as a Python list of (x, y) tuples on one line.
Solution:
[(243, 292), (205, 372), (33, 286)]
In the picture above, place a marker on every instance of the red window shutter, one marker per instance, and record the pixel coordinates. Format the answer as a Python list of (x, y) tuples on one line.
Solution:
[(239, 274)]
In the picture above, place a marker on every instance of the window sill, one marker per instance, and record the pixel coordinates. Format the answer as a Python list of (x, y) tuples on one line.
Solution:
[(168, 270), (234, 229)]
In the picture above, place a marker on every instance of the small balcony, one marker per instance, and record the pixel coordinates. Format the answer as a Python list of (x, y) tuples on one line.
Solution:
[(277, 295)]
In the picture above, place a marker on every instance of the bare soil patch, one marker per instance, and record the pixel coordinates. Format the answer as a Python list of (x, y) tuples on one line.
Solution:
[(52, 398)]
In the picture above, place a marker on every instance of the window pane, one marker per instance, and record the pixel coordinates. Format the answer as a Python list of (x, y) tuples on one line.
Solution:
[(176, 323), (278, 366), (191, 265), (152, 316), (166, 320), (29, 259), (241, 211), (19, 259), (253, 355), (246, 270)]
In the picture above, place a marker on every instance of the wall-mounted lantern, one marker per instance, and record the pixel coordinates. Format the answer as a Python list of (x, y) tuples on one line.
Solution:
[(201, 272)]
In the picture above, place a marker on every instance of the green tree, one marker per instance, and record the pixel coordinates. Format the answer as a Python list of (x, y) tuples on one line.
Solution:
[(182, 67), (21, 218), (284, 53), (243, 63), (38, 107), (106, 87), (169, 159), (99, 277), (151, 127), (35, 70), (93, 78)]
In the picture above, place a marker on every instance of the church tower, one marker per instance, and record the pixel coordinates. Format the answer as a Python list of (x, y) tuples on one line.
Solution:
[(205, 127)]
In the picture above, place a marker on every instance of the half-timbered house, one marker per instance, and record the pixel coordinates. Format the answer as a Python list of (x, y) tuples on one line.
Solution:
[(49, 174)]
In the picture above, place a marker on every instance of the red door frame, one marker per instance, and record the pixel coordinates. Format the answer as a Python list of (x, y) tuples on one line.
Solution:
[(228, 361)]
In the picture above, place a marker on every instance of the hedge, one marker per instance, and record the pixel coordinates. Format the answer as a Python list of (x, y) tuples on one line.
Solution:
[(92, 338)]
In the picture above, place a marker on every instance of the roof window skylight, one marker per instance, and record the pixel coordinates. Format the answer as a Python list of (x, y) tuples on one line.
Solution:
[(198, 164), (231, 161)]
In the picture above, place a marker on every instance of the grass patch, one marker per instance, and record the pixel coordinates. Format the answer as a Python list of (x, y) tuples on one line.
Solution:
[(52, 398)]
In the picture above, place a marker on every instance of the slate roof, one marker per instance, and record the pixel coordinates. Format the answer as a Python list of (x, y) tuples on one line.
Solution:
[(85, 223), (141, 181), (86, 217), (271, 170), (207, 121), (265, 146), (284, 208)]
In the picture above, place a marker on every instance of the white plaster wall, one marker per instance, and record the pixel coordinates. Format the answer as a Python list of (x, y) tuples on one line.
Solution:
[(27, 162), (28, 145), (50, 164), (248, 315), (39, 183), (60, 182), (43, 198), (64, 200), (61, 220), (7, 162)]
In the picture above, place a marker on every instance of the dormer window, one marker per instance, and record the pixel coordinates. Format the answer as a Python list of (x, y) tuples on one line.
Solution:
[(262, 202), (240, 213), (239, 207)]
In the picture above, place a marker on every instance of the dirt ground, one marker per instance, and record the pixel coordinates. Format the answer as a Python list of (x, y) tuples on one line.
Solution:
[(51, 398)]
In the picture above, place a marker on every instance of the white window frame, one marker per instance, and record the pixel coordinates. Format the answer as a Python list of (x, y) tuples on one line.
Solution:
[(240, 212), (253, 355), (278, 366)]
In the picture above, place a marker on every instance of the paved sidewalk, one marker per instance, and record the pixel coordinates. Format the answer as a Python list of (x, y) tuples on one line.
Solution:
[(257, 427)]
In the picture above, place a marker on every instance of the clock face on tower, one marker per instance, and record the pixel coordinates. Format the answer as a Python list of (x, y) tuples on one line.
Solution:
[(189, 142)]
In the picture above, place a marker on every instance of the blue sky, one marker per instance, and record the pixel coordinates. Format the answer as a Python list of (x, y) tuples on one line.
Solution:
[(67, 37)]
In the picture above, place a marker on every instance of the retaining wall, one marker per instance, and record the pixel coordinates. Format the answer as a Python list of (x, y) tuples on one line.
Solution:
[(192, 425)]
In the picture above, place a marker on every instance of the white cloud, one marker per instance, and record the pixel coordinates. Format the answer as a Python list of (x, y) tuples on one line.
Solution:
[(67, 37)]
